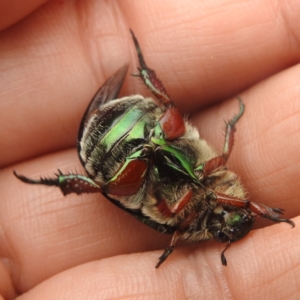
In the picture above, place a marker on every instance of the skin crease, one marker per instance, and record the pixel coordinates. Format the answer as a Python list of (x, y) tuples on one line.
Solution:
[(82, 247)]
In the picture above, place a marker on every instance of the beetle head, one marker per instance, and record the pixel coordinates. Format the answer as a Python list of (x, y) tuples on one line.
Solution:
[(229, 224)]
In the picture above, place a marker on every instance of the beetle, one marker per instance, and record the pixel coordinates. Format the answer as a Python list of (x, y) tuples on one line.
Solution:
[(144, 157)]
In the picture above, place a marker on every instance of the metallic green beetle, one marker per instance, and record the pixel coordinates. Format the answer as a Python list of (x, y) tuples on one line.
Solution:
[(148, 160)]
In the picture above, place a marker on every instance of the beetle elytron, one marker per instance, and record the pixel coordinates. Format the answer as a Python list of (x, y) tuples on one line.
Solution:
[(145, 158)]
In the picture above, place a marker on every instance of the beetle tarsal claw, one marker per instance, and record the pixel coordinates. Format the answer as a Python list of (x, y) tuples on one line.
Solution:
[(282, 221), (135, 75), (164, 256)]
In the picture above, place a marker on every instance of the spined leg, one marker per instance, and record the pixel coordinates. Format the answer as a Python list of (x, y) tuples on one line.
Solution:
[(172, 121), (126, 182), (230, 129), (221, 161), (149, 77), (258, 208), (70, 183), (128, 179)]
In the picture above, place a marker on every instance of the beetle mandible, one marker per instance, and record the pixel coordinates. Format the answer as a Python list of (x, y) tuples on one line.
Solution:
[(148, 160)]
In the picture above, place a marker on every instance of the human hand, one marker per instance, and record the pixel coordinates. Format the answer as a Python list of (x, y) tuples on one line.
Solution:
[(77, 247)]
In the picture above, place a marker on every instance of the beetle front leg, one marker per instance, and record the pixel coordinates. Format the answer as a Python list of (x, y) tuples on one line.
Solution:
[(168, 211), (271, 213), (70, 183), (131, 175), (168, 250)]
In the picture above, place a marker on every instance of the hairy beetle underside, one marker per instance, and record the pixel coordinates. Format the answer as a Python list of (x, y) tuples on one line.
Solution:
[(148, 160)]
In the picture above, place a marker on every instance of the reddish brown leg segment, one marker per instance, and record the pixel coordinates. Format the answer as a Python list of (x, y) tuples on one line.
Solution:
[(258, 208), (172, 122), (167, 211), (128, 179)]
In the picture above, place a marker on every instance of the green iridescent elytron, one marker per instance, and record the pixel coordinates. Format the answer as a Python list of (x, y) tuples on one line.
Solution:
[(146, 159)]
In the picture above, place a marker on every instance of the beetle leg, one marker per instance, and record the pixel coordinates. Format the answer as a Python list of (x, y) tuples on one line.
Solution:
[(149, 77), (71, 183), (172, 124), (211, 165), (168, 211), (230, 129), (172, 121), (131, 175), (168, 250), (220, 161), (258, 208), (128, 179)]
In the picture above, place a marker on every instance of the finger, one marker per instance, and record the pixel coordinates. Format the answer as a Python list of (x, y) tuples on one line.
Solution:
[(39, 71), (7, 288), (59, 88), (206, 52), (13, 11), (263, 266)]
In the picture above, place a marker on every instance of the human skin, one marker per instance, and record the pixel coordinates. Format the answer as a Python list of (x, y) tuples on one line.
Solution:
[(205, 52)]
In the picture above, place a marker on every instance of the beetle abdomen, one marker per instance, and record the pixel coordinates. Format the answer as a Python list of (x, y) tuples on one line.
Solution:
[(112, 133)]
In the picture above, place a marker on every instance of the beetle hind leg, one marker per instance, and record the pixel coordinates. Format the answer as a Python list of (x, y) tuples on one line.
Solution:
[(149, 76), (172, 122)]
